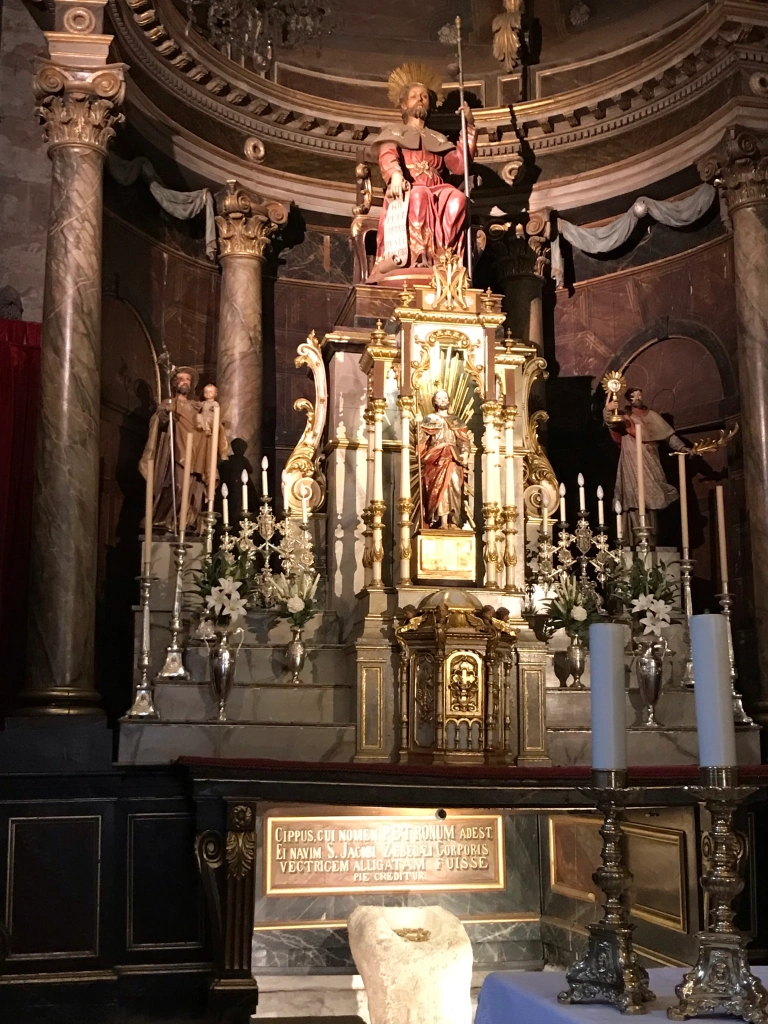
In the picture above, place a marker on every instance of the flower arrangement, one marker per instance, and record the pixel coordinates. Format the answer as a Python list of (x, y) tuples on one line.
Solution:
[(573, 608), (224, 585), (296, 596), (649, 594)]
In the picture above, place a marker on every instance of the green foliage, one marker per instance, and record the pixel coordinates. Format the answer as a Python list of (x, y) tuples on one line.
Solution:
[(639, 580), (574, 608)]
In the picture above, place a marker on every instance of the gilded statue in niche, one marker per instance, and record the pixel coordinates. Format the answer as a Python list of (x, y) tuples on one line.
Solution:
[(444, 446), (423, 215)]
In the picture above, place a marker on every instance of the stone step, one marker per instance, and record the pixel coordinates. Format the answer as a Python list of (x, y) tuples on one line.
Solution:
[(647, 746), (323, 703), (571, 709), (164, 742)]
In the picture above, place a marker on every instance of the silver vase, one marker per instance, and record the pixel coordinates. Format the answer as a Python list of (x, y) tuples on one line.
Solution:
[(222, 657), (649, 667), (576, 659), (296, 652)]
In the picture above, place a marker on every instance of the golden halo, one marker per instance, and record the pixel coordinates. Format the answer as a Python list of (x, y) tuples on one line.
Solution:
[(410, 73)]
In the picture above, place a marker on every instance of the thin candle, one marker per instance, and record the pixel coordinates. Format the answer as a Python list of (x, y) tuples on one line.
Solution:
[(721, 539), (225, 505), (640, 474), (184, 512), (600, 507), (244, 481), (582, 495), (214, 454), (264, 482), (562, 503), (683, 503), (544, 512), (148, 516), (619, 520)]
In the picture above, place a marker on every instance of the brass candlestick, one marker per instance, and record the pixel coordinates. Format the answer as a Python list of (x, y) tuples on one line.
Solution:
[(174, 664), (143, 703), (739, 714), (686, 565), (609, 973), (642, 535), (209, 518), (721, 980)]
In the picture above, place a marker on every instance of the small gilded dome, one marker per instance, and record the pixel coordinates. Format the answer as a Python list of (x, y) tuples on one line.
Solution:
[(456, 600)]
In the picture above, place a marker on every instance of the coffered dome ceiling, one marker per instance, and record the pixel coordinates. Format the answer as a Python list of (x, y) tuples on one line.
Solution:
[(618, 95)]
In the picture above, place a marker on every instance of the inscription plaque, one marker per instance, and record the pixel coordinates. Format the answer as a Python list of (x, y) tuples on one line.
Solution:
[(383, 853)]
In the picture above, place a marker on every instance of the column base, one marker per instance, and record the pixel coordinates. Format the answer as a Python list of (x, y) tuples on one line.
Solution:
[(59, 700), (56, 743)]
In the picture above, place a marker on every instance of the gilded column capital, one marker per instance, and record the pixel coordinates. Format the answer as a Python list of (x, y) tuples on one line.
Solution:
[(379, 407), (245, 223), (79, 107), (738, 166), (406, 404)]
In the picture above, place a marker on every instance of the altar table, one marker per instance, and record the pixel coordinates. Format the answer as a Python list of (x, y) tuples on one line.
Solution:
[(530, 997)]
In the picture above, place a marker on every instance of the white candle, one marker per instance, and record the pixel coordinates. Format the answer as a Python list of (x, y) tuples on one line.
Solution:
[(582, 496), (721, 539), (619, 522), (562, 503), (225, 505), (600, 507), (712, 691), (184, 512), (683, 502), (640, 474), (304, 512), (264, 482), (148, 516), (544, 512), (244, 481), (606, 680), (214, 457)]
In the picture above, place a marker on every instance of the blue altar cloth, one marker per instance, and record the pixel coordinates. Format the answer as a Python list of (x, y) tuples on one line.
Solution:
[(530, 997)]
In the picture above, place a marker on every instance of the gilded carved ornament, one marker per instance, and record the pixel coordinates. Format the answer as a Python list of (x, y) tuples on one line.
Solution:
[(245, 223), (302, 474), (539, 474), (79, 108)]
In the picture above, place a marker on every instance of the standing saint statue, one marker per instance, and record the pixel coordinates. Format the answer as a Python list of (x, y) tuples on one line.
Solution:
[(444, 447), (659, 493), (189, 417), (423, 214)]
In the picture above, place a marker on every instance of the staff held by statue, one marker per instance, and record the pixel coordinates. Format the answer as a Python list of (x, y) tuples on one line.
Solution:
[(467, 185)]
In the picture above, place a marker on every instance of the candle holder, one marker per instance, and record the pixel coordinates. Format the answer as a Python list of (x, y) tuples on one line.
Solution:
[(546, 572), (721, 980), (174, 653), (642, 536), (686, 565), (509, 516), (143, 706), (610, 973), (565, 558), (740, 716), (209, 518)]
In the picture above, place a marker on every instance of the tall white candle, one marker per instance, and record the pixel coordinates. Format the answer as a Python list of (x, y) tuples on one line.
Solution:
[(244, 481), (683, 502), (304, 511), (600, 507), (544, 512), (562, 503), (712, 691), (214, 455), (184, 511), (606, 680), (225, 505), (722, 545), (148, 516), (582, 496), (619, 521), (264, 481), (640, 474)]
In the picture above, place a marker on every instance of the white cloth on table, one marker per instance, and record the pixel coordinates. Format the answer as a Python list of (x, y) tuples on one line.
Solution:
[(531, 996)]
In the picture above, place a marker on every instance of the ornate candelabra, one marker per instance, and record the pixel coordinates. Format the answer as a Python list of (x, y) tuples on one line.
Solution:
[(686, 565), (609, 973), (547, 572), (642, 537), (143, 703), (721, 980), (739, 714), (209, 518), (174, 664)]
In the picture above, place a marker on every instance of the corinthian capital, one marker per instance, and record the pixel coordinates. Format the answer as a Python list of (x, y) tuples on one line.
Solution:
[(739, 167), (245, 223), (79, 107)]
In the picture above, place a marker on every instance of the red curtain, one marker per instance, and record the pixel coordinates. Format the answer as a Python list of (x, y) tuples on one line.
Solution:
[(19, 401)]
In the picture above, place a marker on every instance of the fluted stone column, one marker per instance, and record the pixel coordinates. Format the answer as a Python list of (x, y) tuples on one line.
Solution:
[(739, 166), (245, 224), (78, 96)]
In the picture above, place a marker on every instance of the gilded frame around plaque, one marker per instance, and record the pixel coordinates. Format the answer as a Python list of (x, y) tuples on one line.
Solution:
[(556, 884), (457, 561)]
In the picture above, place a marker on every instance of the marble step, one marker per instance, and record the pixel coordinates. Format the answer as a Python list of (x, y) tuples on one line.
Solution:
[(648, 746), (326, 702), (571, 709), (164, 742)]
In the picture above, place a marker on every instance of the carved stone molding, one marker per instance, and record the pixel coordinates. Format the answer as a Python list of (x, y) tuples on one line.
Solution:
[(79, 108), (739, 167), (522, 248), (245, 223)]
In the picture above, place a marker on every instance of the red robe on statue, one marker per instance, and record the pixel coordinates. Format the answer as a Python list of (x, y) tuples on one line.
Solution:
[(437, 210)]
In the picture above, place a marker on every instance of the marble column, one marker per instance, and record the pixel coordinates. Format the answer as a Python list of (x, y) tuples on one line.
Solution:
[(245, 224), (739, 166), (77, 104), (521, 254)]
